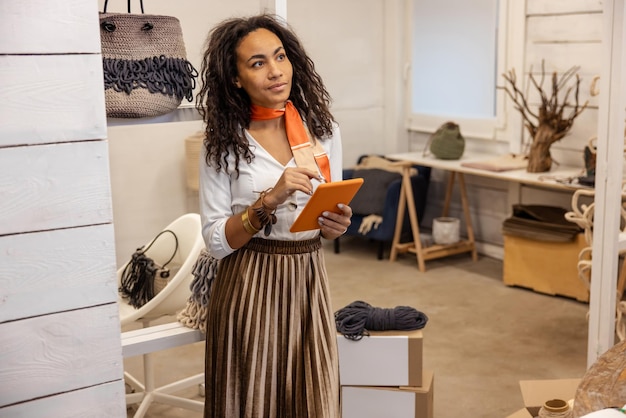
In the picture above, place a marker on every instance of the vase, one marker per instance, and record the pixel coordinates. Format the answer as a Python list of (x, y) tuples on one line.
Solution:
[(555, 408)]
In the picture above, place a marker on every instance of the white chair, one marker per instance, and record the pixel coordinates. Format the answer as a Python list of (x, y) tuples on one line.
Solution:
[(169, 301)]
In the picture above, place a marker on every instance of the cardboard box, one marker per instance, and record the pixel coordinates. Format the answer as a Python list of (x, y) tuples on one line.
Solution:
[(536, 392), (545, 267), (389, 402), (389, 358)]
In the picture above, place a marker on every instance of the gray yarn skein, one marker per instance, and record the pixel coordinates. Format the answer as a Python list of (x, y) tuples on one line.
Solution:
[(194, 314), (356, 319), (204, 271)]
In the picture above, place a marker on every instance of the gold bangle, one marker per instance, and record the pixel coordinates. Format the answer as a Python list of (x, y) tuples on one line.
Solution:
[(247, 225)]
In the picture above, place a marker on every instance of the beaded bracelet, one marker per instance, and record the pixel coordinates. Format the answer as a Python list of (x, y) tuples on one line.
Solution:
[(247, 225), (265, 214)]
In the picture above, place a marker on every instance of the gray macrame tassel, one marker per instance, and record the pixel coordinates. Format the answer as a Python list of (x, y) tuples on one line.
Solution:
[(194, 315), (165, 75)]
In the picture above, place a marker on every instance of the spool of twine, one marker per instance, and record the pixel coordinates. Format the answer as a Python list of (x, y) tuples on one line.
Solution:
[(555, 408)]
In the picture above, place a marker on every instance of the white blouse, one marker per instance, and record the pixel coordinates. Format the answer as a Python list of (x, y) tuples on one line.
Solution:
[(224, 194)]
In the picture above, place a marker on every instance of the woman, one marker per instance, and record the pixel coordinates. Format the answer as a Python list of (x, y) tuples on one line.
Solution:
[(271, 341)]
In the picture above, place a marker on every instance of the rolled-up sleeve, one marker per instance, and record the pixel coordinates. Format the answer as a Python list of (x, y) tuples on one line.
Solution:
[(215, 209)]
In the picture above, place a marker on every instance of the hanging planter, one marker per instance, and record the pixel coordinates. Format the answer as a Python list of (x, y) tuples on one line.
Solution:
[(549, 123)]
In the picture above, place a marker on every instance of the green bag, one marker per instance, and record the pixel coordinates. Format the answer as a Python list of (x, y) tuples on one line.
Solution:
[(446, 143)]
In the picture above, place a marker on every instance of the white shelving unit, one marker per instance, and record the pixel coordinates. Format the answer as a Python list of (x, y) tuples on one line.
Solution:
[(608, 183)]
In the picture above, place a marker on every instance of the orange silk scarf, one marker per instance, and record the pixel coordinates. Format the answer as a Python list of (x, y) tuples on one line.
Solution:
[(298, 137)]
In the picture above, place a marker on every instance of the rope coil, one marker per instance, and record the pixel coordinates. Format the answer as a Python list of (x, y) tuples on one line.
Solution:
[(358, 318)]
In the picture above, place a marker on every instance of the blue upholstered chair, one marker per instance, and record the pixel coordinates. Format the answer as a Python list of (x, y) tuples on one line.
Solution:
[(380, 193)]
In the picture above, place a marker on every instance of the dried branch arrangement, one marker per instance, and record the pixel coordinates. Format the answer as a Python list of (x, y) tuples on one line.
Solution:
[(549, 123)]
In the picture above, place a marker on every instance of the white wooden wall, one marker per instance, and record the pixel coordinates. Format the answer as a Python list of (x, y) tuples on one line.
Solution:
[(568, 33), (60, 349)]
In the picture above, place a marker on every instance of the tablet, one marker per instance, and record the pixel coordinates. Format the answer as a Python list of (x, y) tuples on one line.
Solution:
[(325, 198)]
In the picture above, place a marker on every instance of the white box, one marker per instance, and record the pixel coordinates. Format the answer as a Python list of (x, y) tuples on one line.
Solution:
[(389, 402), (385, 358)]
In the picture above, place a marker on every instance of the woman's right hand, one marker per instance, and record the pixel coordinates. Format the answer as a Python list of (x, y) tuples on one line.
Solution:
[(292, 180)]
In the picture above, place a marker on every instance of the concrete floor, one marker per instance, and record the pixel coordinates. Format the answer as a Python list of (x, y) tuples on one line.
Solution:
[(482, 337)]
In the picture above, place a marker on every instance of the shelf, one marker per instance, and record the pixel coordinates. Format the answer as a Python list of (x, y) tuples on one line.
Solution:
[(182, 114), (437, 251)]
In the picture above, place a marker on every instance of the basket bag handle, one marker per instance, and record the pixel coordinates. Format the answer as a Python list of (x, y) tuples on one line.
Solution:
[(106, 3)]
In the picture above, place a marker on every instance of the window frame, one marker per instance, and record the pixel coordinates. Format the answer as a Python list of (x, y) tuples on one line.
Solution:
[(506, 125)]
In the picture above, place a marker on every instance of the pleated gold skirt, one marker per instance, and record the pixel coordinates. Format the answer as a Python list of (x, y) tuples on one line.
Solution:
[(271, 348)]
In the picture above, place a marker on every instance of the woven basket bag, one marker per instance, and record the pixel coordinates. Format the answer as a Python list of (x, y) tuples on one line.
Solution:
[(146, 72)]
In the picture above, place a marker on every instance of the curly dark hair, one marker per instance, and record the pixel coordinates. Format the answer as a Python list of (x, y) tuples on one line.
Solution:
[(226, 108)]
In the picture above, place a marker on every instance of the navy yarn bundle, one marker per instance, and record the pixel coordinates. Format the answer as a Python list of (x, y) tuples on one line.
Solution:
[(356, 319)]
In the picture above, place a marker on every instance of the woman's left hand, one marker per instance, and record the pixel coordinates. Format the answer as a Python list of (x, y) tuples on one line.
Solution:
[(333, 225)]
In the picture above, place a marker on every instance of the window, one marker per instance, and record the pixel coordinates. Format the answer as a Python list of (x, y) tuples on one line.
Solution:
[(458, 53)]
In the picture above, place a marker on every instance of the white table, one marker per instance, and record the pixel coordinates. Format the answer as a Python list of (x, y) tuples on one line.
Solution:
[(547, 179), (559, 178)]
